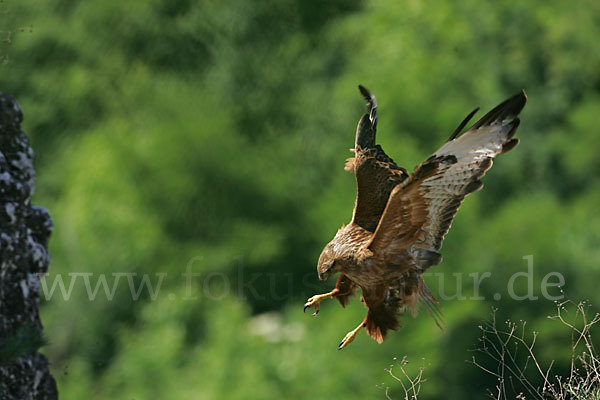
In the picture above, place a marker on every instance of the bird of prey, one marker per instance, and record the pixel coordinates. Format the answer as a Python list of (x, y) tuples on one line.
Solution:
[(400, 219)]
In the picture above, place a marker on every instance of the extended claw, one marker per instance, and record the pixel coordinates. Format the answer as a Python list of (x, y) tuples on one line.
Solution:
[(317, 298), (350, 336), (313, 301)]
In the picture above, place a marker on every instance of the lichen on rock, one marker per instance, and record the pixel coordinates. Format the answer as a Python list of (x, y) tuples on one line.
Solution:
[(24, 233)]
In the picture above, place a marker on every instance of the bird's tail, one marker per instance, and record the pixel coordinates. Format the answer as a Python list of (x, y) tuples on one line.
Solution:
[(379, 320)]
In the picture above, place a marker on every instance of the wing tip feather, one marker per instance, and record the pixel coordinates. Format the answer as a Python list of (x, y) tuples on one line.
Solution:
[(369, 97), (507, 110), (508, 146), (462, 125), (365, 92), (473, 187), (367, 126)]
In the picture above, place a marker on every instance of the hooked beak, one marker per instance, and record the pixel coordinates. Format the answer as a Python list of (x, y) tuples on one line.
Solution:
[(325, 275)]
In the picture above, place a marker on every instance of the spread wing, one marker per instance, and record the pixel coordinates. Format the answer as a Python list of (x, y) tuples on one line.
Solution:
[(376, 173), (420, 211)]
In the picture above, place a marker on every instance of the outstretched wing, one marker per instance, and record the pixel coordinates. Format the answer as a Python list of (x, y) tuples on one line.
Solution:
[(420, 211), (376, 173)]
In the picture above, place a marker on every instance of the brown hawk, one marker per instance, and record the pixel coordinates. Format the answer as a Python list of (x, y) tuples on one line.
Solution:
[(399, 220)]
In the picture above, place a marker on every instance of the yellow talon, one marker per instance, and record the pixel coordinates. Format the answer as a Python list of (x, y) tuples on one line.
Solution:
[(317, 298), (349, 338)]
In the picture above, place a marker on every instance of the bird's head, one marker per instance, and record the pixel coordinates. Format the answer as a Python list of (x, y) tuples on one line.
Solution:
[(327, 263), (332, 257)]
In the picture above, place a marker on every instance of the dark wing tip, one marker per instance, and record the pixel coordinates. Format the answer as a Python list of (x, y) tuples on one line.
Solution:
[(372, 113), (369, 97), (520, 99), (522, 93), (365, 92), (462, 125), (508, 146), (507, 110)]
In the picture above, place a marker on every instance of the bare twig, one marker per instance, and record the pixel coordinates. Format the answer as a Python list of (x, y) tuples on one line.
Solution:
[(583, 382), (413, 387)]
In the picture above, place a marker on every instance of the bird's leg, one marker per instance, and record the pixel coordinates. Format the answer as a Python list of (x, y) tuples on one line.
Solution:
[(352, 335), (317, 298)]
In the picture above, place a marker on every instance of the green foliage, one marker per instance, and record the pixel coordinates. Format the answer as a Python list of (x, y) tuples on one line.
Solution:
[(211, 136)]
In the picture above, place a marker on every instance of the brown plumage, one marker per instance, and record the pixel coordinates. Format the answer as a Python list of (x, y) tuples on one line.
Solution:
[(400, 220)]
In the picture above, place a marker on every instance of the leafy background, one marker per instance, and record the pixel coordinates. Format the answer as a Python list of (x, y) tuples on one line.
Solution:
[(211, 135)]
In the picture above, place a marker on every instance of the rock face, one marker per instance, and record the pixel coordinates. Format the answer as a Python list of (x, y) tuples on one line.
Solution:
[(24, 234)]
